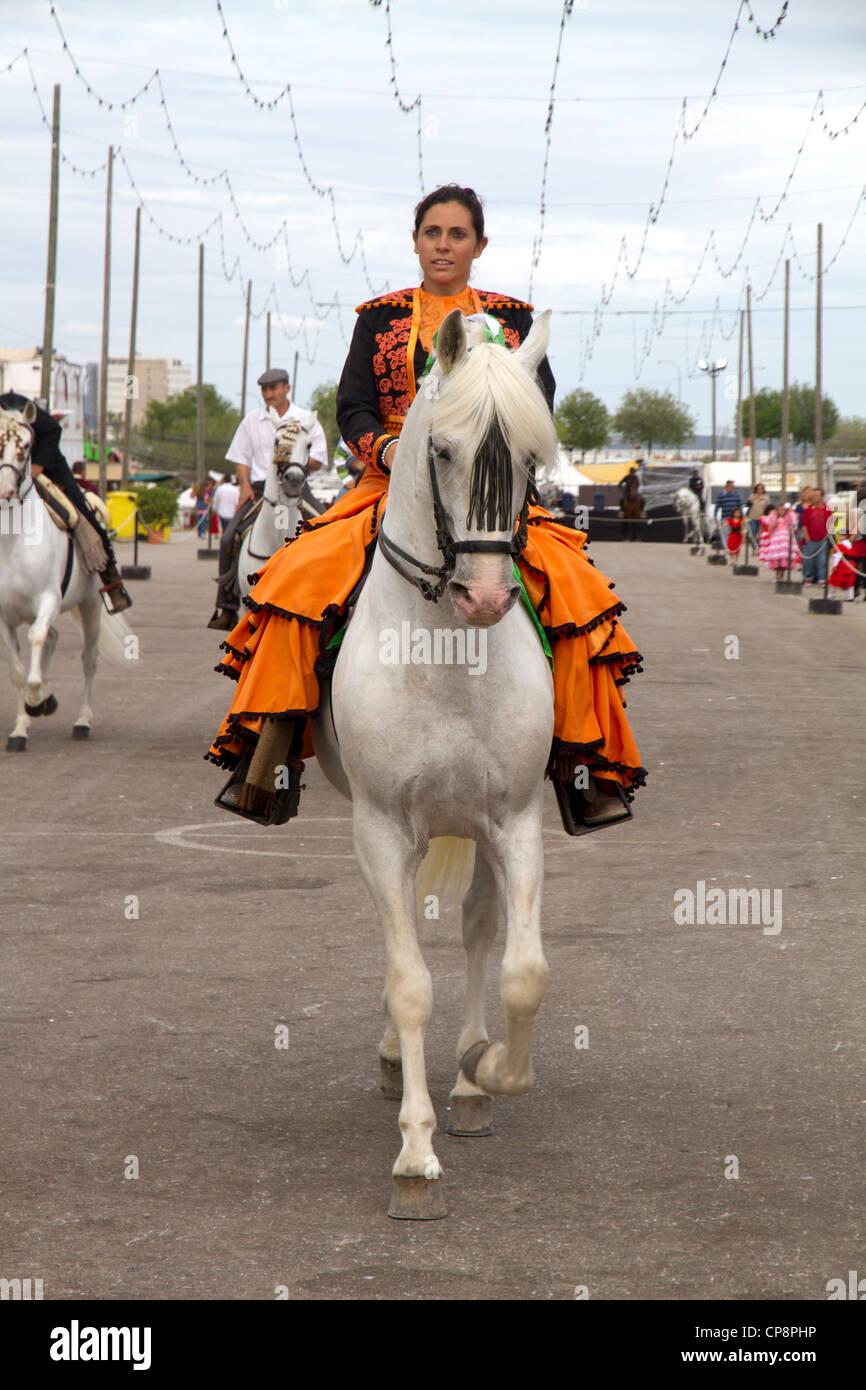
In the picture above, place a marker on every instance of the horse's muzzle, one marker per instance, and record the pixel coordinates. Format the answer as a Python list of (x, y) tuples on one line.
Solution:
[(480, 604)]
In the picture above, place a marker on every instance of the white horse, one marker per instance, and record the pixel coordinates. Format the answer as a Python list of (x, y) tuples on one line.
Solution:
[(34, 558), (427, 747), (280, 513), (689, 508)]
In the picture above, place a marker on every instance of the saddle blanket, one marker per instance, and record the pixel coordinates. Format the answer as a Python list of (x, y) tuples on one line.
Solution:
[(62, 511)]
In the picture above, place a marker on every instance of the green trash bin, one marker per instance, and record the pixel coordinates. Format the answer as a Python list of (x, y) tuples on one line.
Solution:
[(121, 514)]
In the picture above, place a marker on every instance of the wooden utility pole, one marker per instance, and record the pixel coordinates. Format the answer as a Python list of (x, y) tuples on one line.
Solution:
[(819, 402), (131, 384), (199, 404), (740, 390), (785, 372), (246, 352), (295, 380), (268, 341), (751, 386), (51, 272), (103, 365)]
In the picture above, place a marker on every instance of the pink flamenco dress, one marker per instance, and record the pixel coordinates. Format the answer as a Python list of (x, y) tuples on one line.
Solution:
[(782, 541)]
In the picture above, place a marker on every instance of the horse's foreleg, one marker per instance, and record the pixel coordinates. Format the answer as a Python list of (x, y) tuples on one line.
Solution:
[(506, 1068), (17, 740), (389, 862), (390, 1066), (38, 637), (91, 616), (471, 1107)]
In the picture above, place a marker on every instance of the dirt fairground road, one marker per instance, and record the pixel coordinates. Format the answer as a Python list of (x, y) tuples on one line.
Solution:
[(711, 1049)]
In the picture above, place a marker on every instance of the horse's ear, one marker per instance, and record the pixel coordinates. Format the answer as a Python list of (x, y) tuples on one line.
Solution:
[(534, 345), (451, 341), (29, 413)]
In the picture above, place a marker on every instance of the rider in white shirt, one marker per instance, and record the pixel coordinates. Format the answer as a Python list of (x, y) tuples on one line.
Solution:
[(251, 451)]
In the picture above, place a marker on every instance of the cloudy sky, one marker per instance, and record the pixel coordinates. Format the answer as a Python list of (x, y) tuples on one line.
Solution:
[(649, 237)]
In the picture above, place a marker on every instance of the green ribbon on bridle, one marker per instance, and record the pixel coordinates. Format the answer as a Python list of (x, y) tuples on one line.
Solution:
[(493, 333)]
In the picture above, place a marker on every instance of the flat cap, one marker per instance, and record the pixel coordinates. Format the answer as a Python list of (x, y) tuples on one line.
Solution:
[(272, 376)]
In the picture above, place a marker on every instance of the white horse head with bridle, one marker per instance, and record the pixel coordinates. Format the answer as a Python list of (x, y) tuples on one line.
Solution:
[(41, 576), (440, 722), (280, 512), (689, 508)]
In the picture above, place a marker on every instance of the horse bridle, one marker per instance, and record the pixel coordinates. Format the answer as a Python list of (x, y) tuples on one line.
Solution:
[(283, 468), (448, 546), (21, 473), (281, 471)]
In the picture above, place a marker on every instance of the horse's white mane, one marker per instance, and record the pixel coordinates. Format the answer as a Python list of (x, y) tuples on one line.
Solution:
[(490, 384)]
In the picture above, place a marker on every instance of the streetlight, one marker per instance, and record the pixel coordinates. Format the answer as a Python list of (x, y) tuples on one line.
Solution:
[(666, 362), (713, 368)]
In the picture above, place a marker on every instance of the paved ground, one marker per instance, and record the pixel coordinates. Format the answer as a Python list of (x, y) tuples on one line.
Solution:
[(259, 1167)]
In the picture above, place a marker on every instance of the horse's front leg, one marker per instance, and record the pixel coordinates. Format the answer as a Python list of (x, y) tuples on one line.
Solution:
[(38, 636), (390, 1066), (389, 862), (518, 865), (471, 1107), (17, 740)]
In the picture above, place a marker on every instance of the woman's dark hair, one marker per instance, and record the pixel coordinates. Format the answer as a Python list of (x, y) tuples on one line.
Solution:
[(453, 193)]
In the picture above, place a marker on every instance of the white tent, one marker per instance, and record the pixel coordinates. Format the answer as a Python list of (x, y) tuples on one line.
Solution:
[(565, 476)]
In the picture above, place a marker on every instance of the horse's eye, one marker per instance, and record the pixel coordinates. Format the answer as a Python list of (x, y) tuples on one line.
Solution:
[(444, 454)]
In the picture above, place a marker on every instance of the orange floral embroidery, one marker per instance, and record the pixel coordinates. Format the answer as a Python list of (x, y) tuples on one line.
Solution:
[(364, 450)]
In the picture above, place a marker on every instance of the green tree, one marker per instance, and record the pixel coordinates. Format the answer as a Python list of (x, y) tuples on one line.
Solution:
[(849, 436), (324, 402), (768, 415), (582, 421), (165, 438), (801, 414), (653, 417)]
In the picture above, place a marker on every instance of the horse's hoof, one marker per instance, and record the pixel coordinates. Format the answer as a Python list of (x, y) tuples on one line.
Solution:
[(417, 1199), (471, 1117), (80, 731), (50, 705), (35, 710), (471, 1058), (391, 1074), (16, 743)]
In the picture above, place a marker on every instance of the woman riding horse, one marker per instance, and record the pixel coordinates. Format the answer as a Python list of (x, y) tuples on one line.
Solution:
[(301, 597)]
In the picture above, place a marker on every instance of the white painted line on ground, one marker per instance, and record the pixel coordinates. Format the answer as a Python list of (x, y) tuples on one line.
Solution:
[(177, 838)]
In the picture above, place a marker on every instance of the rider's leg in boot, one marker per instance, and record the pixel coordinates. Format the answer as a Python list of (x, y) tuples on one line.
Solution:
[(225, 615), (114, 595)]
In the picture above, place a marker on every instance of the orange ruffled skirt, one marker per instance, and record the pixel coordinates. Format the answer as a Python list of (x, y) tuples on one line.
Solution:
[(277, 652)]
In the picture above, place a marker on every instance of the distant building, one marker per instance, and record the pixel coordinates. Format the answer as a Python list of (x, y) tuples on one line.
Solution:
[(155, 379), (21, 371)]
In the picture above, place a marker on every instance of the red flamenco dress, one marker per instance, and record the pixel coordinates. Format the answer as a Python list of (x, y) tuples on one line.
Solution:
[(734, 539)]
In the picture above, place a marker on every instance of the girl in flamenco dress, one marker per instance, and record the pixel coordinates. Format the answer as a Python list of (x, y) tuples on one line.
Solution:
[(844, 565), (735, 533), (766, 526), (782, 542)]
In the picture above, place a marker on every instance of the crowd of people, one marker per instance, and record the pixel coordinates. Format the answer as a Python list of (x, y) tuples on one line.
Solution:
[(795, 536)]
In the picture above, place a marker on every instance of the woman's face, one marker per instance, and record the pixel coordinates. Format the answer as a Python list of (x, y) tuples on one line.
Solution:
[(446, 246)]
